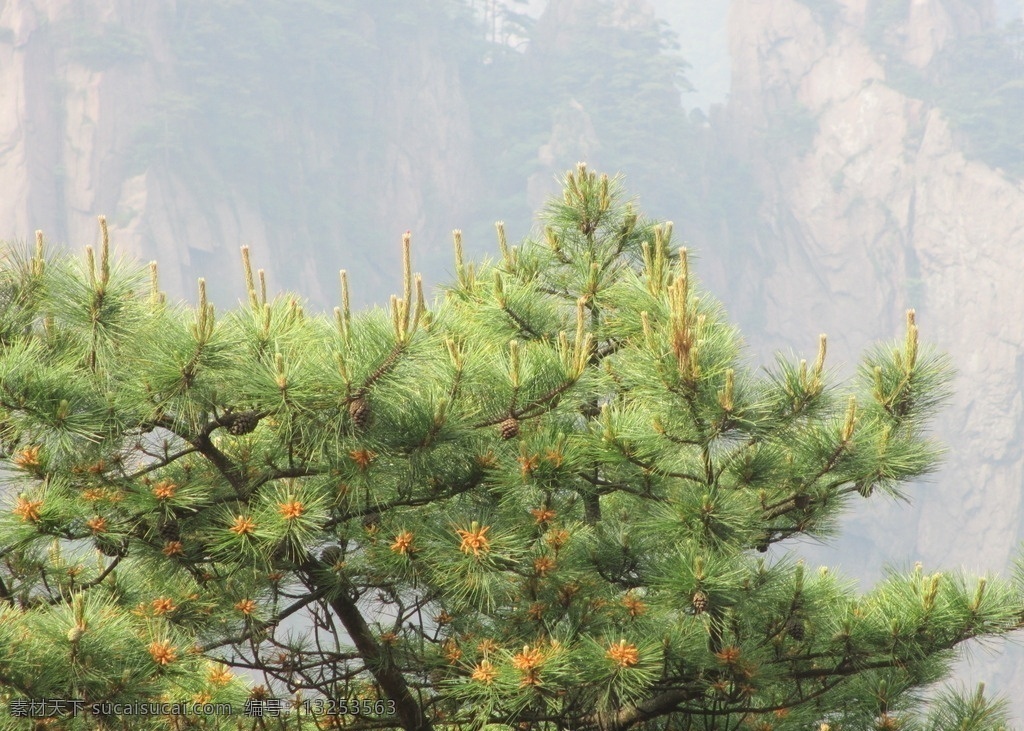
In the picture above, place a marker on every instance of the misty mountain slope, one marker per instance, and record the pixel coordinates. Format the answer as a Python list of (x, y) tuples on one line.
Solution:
[(877, 200), (319, 132), (313, 132)]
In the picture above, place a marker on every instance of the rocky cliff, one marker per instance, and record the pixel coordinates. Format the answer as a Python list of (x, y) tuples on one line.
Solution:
[(871, 207), (99, 115)]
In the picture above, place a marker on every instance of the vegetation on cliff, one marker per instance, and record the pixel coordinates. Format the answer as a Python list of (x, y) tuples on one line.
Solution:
[(975, 78)]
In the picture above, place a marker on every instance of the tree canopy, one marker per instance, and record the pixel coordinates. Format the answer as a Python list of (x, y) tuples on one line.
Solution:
[(558, 497)]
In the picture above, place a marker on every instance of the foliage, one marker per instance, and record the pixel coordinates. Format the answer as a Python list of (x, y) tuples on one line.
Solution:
[(884, 18), (549, 500), (623, 76), (977, 80), (611, 87), (979, 84), (102, 47)]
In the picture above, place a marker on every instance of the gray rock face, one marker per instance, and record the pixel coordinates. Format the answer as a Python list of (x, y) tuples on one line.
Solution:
[(874, 210), (80, 83)]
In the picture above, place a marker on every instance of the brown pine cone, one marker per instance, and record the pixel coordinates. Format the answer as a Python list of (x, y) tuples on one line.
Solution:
[(795, 628), (509, 428), (359, 410), (242, 422), (169, 530)]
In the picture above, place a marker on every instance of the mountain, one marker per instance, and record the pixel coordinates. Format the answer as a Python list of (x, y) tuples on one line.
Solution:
[(198, 126), (874, 203), (868, 159)]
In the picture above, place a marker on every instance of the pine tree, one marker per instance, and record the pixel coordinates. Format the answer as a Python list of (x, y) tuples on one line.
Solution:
[(546, 501)]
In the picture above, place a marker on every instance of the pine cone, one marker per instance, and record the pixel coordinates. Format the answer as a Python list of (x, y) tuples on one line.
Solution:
[(244, 422), (170, 530), (359, 410), (795, 628), (699, 602), (330, 556), (509, 428)]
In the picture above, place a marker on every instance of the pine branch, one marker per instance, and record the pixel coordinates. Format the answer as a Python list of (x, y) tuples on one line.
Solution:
[(162, 462), (383, 369), (765, 450), (386, 506), (390, 678), (202, 444), (228, 469), (621, 719), (276, 619), (522, 324), (542, 402), (278, 473), (688, 476)]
